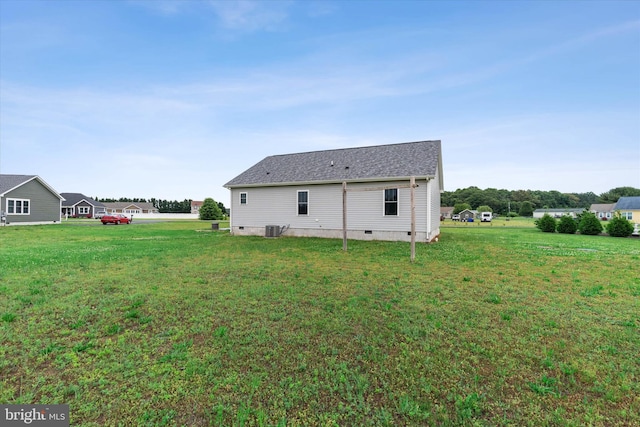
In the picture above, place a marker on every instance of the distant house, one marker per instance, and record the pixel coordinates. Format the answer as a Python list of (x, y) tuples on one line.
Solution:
[(81, 206), (446, 212), (195, 206), (130, 208), (28, 199), (467, 214), (629, 208), (558, 212), (602, 211), (365, 188)]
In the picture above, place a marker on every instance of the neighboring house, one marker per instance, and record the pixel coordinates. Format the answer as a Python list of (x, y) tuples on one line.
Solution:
[(467, 214), (195, 206), (81, 206), (602, 211), (629, 208), (130, 208), (28, 199), (446, 212), (304, 193), (558, 212)]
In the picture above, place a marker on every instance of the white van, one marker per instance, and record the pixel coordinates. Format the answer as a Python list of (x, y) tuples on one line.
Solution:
[(486, 217)]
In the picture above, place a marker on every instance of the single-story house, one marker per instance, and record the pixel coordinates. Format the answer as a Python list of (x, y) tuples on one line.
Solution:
[(446, 212), (28, 199), (558, 212), (366, 191), (467, 214), (195, 206), (603, 211), (129, 208), (629, 208), (79, 205)]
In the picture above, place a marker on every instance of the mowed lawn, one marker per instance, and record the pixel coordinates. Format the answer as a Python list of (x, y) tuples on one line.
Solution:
[(175, 324)]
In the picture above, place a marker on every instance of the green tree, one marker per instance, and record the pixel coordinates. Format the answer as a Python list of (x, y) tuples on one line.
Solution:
[(547, 223), (589, 224), (567, 225), (210, 210), (614, 194), (526, 209), (619, 226), (484, 208)]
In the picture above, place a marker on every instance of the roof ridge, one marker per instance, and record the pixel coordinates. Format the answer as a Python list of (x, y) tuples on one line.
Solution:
[(355, 148)]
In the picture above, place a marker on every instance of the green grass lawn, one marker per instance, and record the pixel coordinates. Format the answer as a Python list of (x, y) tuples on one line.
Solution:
[(174, 324)]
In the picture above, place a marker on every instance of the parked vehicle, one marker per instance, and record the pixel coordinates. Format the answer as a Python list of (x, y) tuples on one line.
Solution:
[(115, 219), (486, 217), (455, 217)]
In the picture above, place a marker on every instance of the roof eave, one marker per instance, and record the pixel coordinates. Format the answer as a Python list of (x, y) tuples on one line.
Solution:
[(327, 182)]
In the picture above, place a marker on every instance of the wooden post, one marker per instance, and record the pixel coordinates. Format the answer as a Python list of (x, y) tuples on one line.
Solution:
[(412, 184), (344, 216)]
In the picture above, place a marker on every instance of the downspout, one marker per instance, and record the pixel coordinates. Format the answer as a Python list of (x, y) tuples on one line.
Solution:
[(429, 208)]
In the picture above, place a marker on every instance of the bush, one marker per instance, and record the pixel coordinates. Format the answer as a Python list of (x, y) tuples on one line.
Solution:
[(210, 210), (567, 225), (547, 223), (619, 227), (526, 209), (589, 224)]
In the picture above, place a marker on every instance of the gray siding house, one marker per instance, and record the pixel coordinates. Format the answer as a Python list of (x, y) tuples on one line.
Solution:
[(81, 206), (28, 199), (302, 193)]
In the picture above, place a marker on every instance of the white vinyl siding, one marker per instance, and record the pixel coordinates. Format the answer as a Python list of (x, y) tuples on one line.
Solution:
[(278, 206)]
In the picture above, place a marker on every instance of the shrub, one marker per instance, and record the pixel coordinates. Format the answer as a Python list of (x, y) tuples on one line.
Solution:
[(547, 223), (526, 209), (619, 226), (589, 224), (210, 210), (567, 225)]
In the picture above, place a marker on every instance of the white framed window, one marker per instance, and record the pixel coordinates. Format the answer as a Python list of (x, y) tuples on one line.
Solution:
[(627, 215), (303, 202), (243, 198), (83, 210), (18, 206), (391, 202)]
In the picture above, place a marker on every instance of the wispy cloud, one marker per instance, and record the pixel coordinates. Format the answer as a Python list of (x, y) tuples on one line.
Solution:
[(251, 15)]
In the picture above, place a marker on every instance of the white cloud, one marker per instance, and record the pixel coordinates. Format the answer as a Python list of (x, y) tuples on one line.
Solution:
[(250, 15)]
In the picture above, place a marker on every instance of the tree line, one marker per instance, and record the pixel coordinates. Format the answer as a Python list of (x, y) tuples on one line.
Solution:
[(506, 202), (163, 206)]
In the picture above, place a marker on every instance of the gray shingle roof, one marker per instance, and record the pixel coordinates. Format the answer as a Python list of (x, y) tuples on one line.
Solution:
[(602, 207), (72, 199), (395, 161), (9, 182), (630, 203)]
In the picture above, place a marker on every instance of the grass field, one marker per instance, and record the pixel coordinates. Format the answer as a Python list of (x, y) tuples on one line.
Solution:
[(175, 324)]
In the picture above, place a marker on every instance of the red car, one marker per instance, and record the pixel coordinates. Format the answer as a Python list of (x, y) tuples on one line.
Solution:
[(115, 219)]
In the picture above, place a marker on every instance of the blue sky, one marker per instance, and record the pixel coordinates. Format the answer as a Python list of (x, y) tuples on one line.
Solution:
[(171, 99)]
